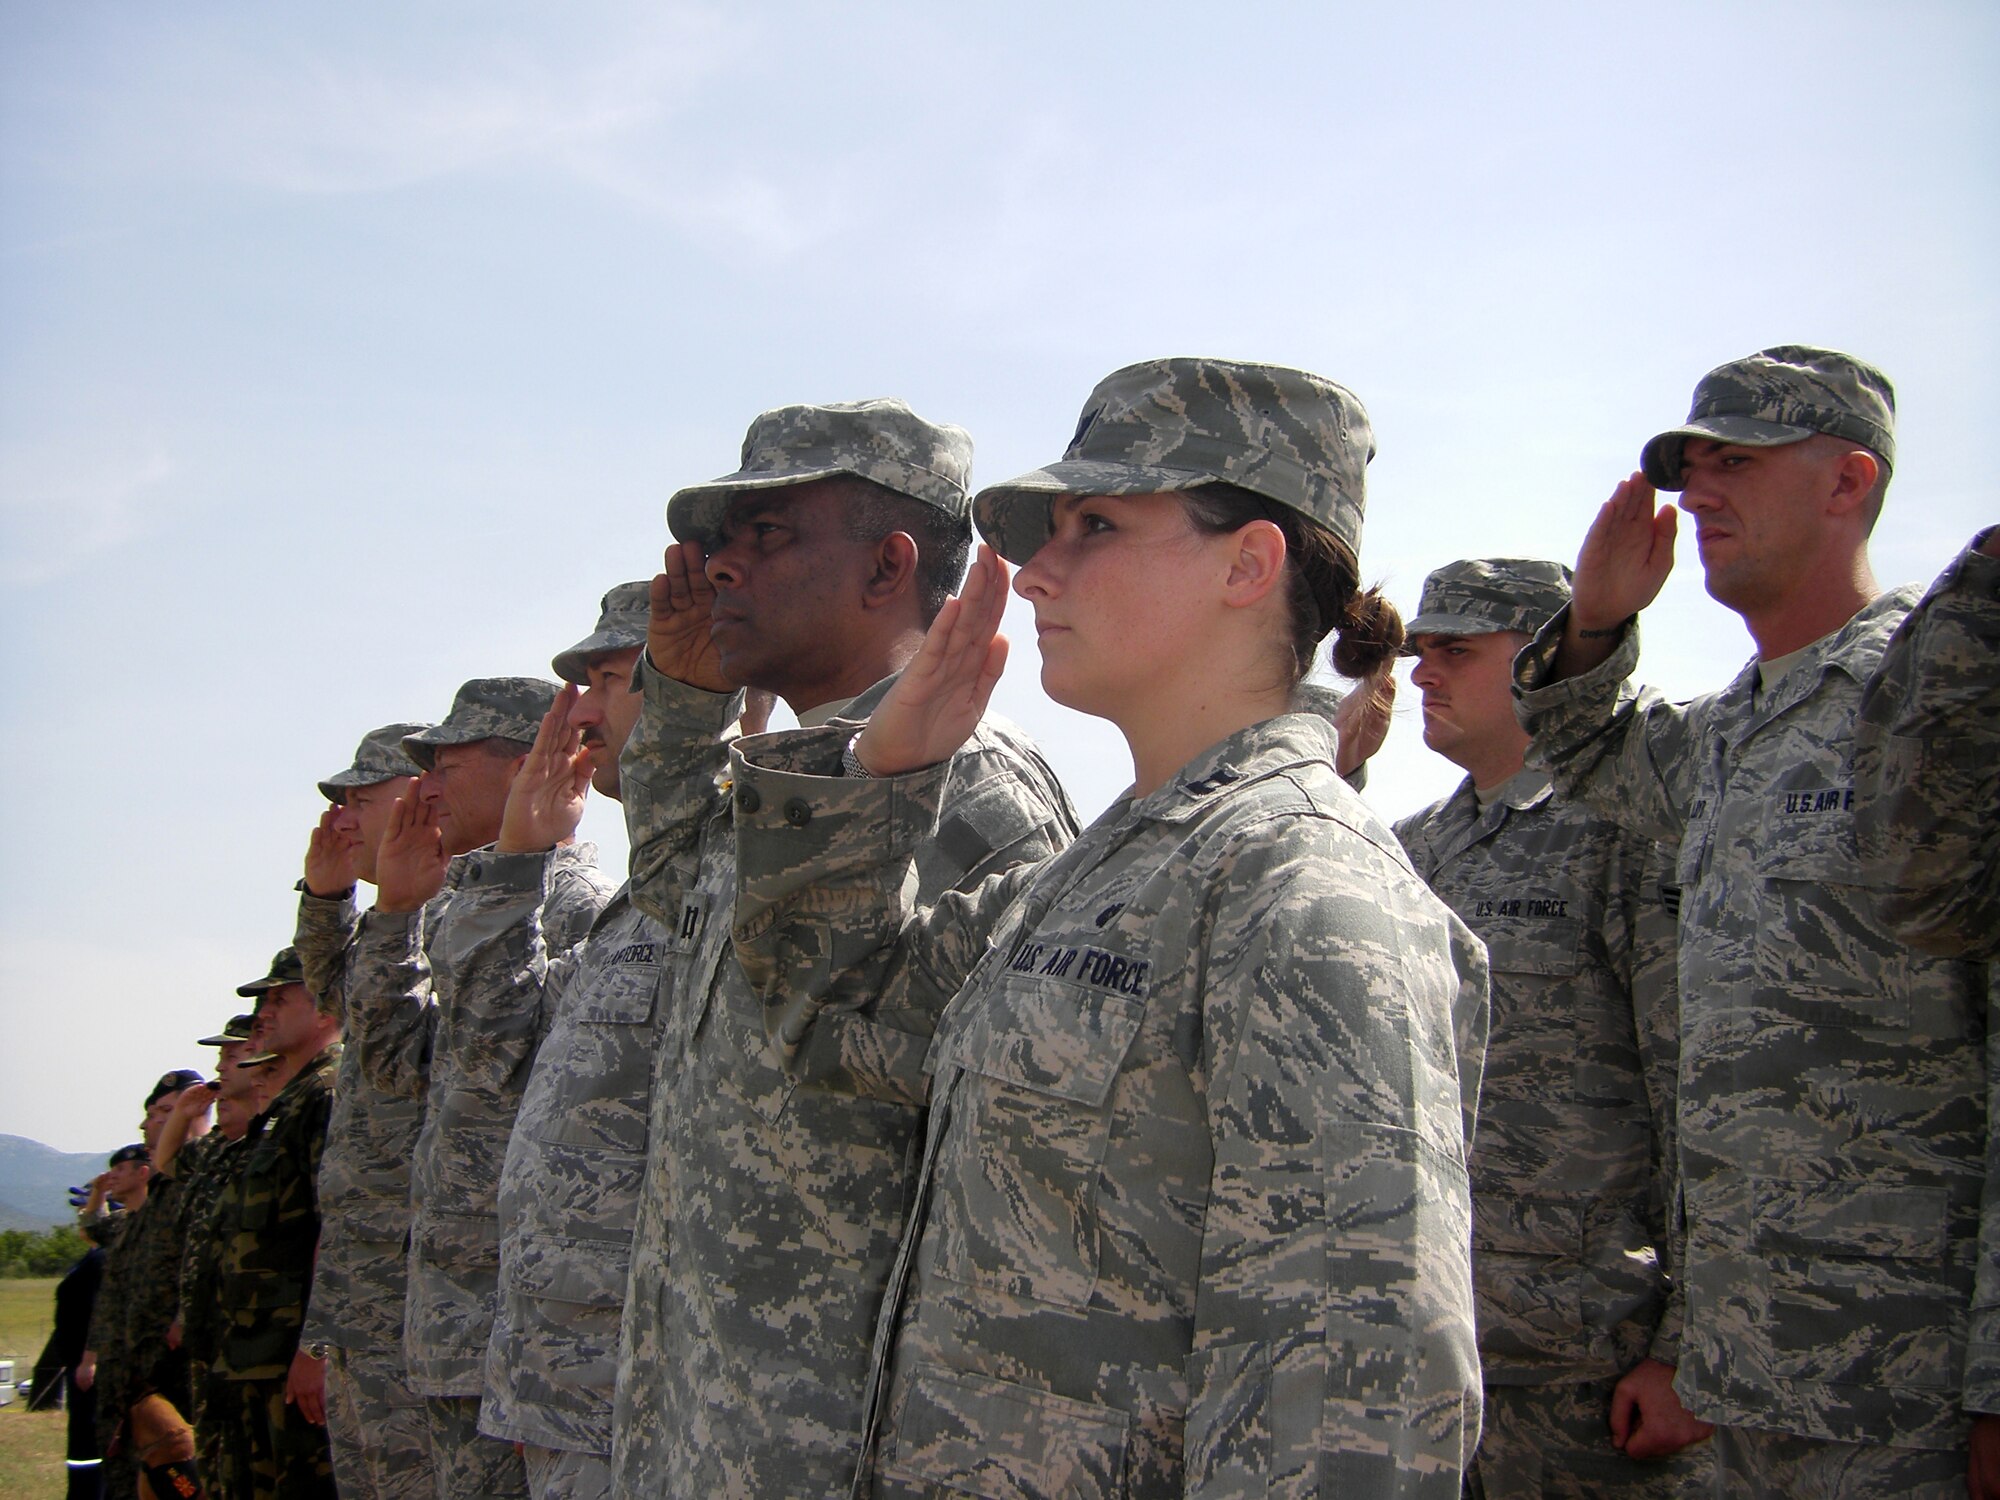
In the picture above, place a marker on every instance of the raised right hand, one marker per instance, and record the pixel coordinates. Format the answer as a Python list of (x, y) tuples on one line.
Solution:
[(410, 865), (677, 639), (1625, 560), (937, 701), (333, 858), (546, 798)]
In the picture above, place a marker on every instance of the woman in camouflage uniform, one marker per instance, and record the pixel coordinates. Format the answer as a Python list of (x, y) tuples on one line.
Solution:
[(1192, 1214)]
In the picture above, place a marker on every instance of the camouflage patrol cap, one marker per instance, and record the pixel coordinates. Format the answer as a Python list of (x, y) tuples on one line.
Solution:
[(1777, 396), (880, 440), (235, 1029), (379, 757), (621, 625), (1176, 424), (486, 708), (1479, 596), (285, 969)]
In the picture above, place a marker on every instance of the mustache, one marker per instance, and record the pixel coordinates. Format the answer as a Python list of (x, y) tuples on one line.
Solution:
[(592, 738)]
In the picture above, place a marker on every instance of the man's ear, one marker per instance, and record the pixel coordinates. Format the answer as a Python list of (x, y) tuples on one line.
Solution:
[(1853, 481), (1256, 564), (894, 570)]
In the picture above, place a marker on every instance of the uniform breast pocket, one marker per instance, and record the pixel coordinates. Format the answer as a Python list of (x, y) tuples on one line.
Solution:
[(1817, 936), (1551, 947), (603, 1057), (1018, 1173), (747, 1064)]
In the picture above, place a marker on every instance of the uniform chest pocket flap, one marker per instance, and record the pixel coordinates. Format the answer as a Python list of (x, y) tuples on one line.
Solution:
[(622, 994), (1047, 1036), (1016, 1203), (1817, 934), (1549, 946)]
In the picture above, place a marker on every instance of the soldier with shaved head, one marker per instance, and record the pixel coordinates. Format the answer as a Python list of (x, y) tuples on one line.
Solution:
[(1840, 1189), (1572, 1165)]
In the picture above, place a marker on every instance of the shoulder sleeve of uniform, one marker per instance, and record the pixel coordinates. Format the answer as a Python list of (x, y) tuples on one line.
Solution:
[(1002, 806), (322, 933), (1927, 766), (851, 971), (390, 1015), (669, 780), (1626, 753)]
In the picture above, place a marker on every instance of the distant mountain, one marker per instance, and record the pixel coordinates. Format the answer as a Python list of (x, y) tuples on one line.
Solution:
[(35, 1181)]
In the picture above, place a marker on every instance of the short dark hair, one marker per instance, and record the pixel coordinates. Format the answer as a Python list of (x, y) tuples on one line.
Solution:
[(873, 511)]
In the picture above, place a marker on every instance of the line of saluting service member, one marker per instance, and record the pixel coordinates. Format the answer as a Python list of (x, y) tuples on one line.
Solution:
[(1617, 1126)]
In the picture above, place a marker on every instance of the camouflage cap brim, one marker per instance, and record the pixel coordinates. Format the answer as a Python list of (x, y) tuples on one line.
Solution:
[(423, 748), (1013, 517), (695, 514), (486, 708), (235, 1029), (880, 440), (379, 757), (1660, 460), (1443, 624), (336, 787), (573, 665), (285, 969)]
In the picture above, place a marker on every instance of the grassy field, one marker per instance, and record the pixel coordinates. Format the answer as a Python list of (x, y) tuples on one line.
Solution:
[(31, 1443)]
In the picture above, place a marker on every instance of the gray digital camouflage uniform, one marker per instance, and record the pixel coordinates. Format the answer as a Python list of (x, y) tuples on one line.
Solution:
[(1572, 1166), (769, 1214), (569, 1189), (375, 1417), (1834, 1086), (423, 1036), (1927, 766), (1192, 1216)]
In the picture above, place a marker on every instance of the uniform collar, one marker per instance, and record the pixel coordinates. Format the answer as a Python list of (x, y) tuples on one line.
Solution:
[(1847, 651), (1262, 750)]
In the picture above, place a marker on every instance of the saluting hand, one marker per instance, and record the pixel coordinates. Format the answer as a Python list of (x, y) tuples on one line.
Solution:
[(1626, 557), (333, 858), (677, 631), (546, 798), (411, 865), (937, 701)]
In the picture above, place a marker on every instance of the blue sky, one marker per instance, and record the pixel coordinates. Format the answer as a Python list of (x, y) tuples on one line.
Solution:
[(349, 352)]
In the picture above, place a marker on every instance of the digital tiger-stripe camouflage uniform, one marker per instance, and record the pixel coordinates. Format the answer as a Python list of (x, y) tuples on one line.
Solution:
[(427, 1038), (769, 1215), (1192, 1215), (1835, 1087), (569, 1189), (374, 1416), (1572, 1166), (1927, 765), (267, 1225)]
